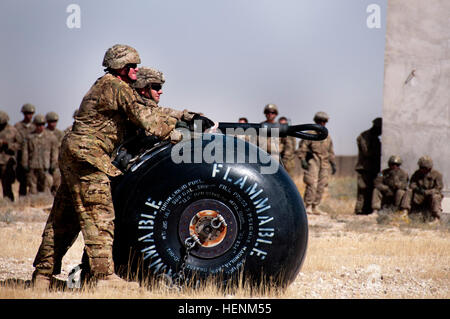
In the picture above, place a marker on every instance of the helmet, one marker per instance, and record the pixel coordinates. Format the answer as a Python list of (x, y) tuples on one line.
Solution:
[(321, 116), (51, 116), (271, 107), (39, 119), (29, 108), (377, 122), (4, 118), (425, 161), (395, 159), (120, 55), (146, 76)]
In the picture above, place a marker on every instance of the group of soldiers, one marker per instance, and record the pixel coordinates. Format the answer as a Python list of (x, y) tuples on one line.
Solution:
[(29, 152), (376, 189), (317, 157), (391, 188)]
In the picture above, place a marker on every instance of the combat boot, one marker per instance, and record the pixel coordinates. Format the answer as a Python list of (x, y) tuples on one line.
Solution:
[(309, 209), (113, 282), (40, 281), (317, 211)]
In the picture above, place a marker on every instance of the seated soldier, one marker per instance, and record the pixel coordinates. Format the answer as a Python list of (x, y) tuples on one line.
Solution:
[(390, 185), (424, 194)]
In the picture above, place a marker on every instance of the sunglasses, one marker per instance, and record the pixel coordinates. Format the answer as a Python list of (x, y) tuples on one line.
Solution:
[(156, 87), (131, 66), (271, 112)]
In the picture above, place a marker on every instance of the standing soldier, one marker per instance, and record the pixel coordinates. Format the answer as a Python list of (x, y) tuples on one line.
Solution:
[(316, 158), (425, 191), (270, 144), (40, 156), (24, 128), (390, 185), (368, 166), (287, 150), (52, 120), (84, 201), (8, 148)]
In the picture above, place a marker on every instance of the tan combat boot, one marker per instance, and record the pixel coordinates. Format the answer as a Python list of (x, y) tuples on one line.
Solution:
[(40, 281), (317, 211), (309, 209), (113, 282)]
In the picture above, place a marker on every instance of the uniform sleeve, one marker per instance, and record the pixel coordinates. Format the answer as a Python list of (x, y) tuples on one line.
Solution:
[(151, 120), (303, 148), (25, 153), (379, 183)]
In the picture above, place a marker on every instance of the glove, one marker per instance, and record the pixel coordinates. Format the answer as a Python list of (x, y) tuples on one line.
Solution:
[(205, 122), (304, 164), (333, 168), (420, 191)]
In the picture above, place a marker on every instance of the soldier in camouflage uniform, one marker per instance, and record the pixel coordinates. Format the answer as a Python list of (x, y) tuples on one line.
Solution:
[(52, 121), (424, 193), (24, 128), (390, 185), (316, 157), (287, 150), (40, 157), (270, 144), (368, 166), (8, 148), (83, 201)]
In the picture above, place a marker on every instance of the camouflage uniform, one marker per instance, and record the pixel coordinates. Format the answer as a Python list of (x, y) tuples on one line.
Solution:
[(287, 153), (425, 192), (390, 186), (23, 129), (367, 167), (8, 148), (319, 155), (56, 174), (39, 159), (83, 201)]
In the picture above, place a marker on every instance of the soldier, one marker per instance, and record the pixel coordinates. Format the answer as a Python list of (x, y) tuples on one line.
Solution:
[(287, 150), (425, 191), (316, 158), (52, 120), (8, 148), (390, 185), (40, 157), (368, 166), (24, 128), (83, 201), (270, 144)]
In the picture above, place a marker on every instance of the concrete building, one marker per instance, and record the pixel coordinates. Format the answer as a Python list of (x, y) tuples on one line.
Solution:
[(416, 106)]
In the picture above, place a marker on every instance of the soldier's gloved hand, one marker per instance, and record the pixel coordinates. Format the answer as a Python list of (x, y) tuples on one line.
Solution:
[(333, 168), (304, 164), (205, 122), (182, 124), (420, 191)]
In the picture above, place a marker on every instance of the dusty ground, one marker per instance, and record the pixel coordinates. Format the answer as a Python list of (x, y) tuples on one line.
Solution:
[(375, 256)]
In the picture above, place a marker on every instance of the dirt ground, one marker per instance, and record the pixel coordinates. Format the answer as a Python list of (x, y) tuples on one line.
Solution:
[(379, 256)]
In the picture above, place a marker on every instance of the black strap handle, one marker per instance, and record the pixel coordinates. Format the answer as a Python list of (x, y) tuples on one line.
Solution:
[(321, 132)]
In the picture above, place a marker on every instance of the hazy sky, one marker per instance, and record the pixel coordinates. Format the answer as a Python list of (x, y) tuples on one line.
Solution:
[(225, 58)]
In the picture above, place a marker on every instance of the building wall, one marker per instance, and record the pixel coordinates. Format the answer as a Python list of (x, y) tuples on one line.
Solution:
[(416, 107)]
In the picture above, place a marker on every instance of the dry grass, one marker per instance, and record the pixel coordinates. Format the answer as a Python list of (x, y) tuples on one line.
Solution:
[(348, 257)]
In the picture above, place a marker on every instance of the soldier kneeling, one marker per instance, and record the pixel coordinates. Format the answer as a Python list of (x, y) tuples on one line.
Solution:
[(390, 185), (424, 194)]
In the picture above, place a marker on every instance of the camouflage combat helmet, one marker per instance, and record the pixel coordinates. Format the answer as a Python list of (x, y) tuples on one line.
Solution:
[(395, 159), (120, 55), (321, 116), (39, 119), (271, 107), (425, 161), (28, 108), (51, 116), (146, 76), (4, 118)]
